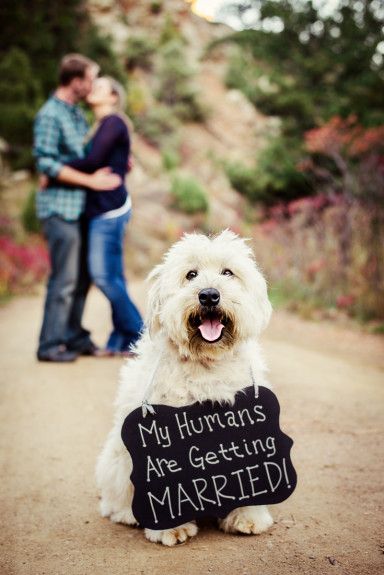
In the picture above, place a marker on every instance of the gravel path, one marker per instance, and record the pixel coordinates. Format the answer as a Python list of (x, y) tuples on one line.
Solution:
[(330, 383)]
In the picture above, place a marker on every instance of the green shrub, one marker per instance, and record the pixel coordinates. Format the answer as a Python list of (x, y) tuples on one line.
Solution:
[(243, 179), (276, 172), (29, 219), (140, 49), (190, 110), (170, 31), (175, 78), (171, 159), (156, 7), (190, 197), (156, 124), (136, 98), (275, 177)]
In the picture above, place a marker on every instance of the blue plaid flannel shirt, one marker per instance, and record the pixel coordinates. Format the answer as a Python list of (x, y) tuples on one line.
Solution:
[(59, 132)]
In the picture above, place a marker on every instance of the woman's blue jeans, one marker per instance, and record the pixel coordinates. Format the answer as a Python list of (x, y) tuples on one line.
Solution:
[(106, 268)]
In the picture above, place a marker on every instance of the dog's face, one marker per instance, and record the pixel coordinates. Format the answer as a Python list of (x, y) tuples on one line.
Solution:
[(208, 295)]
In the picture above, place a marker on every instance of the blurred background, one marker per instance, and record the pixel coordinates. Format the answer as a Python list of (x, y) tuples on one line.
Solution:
[(263, 116)]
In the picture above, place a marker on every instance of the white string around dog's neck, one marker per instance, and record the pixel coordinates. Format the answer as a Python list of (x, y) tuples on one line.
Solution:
[(146, 405)]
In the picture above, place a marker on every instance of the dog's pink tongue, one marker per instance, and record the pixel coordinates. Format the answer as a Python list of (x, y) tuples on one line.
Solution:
[(211, 329)]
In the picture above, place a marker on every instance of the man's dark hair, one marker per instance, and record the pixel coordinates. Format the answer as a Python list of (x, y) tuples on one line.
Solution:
[(74, 66)]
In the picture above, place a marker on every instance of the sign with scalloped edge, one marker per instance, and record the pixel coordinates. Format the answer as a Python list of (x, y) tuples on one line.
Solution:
[(207, 459)]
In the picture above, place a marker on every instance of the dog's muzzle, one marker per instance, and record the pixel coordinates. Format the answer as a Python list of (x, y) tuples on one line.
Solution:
[(208, 320)]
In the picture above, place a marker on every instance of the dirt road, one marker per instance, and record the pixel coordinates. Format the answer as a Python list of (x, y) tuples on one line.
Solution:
[(54, 418)]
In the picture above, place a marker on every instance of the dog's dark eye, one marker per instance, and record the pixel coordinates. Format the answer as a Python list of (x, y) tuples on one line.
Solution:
[(191, 274), (227, 272)]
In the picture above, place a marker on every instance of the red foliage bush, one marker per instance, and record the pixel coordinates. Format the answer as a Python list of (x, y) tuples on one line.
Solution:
[(21, 265), (356, 154), (329, 248), (346, 137), (345, 301), (312, 204), (325, 252)]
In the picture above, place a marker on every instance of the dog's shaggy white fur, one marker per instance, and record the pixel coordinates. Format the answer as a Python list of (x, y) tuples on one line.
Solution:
[(191, 363)]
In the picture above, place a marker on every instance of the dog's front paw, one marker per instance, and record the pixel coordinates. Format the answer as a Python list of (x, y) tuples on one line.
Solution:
[(123, 516), (173, 536), (250, 520)]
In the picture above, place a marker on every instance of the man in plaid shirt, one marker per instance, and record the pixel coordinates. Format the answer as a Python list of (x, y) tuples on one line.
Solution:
[(59, 131)]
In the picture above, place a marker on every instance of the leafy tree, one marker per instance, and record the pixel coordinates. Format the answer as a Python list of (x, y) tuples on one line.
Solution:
[(20, 95), (307, 67), (35, 34), (332, 60), (43, 30)]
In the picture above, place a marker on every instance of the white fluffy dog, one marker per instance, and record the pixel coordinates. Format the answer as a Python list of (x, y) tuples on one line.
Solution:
[(208, 304)]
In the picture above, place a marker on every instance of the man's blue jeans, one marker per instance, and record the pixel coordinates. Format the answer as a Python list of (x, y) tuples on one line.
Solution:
[(67, 288), (106, 268)]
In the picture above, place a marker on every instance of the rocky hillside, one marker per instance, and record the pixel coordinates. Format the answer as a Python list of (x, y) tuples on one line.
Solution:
[(231, 131)]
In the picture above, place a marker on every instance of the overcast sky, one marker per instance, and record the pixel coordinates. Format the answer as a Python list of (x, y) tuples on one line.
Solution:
[(210, 9)]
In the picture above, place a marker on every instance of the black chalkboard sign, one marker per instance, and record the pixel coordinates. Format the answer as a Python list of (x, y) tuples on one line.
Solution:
[(207, 459)]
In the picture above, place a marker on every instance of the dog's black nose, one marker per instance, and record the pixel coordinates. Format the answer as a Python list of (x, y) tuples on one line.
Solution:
[(209, 297)]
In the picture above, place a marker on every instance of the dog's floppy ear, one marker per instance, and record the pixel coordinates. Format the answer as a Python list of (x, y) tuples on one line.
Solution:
[(263, 303), (154, 300), (266, 311)]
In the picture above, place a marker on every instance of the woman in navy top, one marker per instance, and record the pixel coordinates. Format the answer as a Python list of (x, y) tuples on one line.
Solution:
[(109, 211)]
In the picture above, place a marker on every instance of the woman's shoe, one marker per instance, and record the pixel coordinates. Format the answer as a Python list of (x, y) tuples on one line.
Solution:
[(128, 354), (111, 353), (105, 353)]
